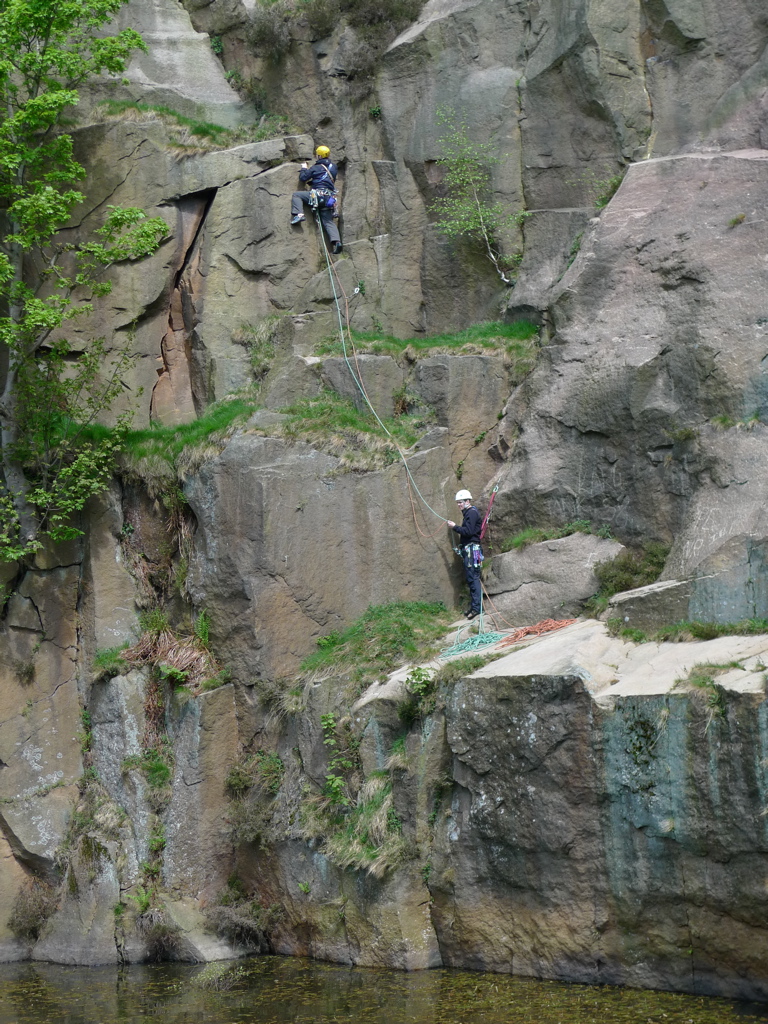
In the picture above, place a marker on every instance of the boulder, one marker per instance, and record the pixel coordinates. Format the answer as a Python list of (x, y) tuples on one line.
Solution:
[(550, 579)]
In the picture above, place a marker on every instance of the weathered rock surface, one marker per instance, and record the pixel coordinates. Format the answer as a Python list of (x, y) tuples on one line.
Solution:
[(179, 69), (289, 548), (571, 811), (550, 579), (601, 837), (659, 331)]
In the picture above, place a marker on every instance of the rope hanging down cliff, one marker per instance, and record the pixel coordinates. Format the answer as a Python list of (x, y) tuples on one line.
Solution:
[(481, 639), (357, 377)]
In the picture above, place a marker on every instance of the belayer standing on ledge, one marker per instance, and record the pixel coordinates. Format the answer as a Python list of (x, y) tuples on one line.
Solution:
[(321, 179), (470, 550)]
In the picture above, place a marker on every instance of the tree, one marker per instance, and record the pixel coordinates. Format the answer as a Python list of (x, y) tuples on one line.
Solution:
[(52, 459), (466, 211)]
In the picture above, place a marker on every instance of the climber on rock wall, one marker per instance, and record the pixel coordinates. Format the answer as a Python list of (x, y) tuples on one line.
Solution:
[(321, 195), (470, 550)]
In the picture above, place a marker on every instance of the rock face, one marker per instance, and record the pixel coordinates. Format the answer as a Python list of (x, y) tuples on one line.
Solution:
[(551, 579), (291, 549), (640, 376), (602, 827), (577, 810)]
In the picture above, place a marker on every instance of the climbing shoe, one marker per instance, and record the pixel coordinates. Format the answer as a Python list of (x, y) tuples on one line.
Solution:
[(336, 248), (298, 218), (472, 615)]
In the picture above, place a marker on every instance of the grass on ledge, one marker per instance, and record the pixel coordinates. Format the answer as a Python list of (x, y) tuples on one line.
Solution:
[(537, 534), (685, 632), (519, 340), (333, 425), (160, 454), (384, 637), (188, 134)]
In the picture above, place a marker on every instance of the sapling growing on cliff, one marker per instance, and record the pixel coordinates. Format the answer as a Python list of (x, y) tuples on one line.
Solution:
[(52, 460), (466, 212)]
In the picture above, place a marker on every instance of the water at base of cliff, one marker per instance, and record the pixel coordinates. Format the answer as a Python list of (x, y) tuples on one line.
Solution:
[(275, 990)]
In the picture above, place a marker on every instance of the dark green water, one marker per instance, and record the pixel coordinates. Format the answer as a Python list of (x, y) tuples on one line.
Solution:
[(275, 990)]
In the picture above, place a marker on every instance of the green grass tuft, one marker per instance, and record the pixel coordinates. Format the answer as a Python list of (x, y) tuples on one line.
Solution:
[(109, 662), (536, 534), (334, 425), (383, 638), (163, 455), (190, 133), (516, 339), (685, 632)]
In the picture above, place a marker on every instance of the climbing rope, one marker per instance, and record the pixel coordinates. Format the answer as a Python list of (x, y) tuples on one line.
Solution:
[(527, 632), (357, 376), (472, 643)]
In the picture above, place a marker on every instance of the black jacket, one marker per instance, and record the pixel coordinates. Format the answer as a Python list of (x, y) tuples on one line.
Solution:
[(471, 524), (321, 174)]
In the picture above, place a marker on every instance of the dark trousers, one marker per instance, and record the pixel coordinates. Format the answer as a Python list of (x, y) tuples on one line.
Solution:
[(326, 216), (472, 576)]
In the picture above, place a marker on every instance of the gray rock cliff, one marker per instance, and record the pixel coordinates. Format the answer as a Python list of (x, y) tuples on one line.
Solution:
[(577, 809)]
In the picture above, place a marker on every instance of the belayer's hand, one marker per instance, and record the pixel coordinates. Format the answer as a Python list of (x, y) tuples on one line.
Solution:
[(304, 166), (450, 523)]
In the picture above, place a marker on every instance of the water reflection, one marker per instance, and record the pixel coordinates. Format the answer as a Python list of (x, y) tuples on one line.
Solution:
[(276, 990)]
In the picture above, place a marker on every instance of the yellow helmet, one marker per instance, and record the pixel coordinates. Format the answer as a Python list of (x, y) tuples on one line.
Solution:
[(322, 151)]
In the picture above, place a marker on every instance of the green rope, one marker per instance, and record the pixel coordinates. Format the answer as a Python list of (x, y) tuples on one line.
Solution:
[(473, 643)]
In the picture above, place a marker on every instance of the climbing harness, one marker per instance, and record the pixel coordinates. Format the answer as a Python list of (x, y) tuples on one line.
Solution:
[(322, 199)]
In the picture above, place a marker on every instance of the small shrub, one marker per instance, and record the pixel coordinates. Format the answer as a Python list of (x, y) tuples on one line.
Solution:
[(24, 671), (259, 339), (154, 621), (109, 662), (263, 768), (680, 435), (422, 699), (250, 822), (626, 571), (466, 212), (322, 16), (701, 679), (270, 30), (163, 938), (33, 905), (242, 919)]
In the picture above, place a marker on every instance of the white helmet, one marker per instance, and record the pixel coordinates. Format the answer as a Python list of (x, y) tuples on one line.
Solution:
[(463, 496)]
